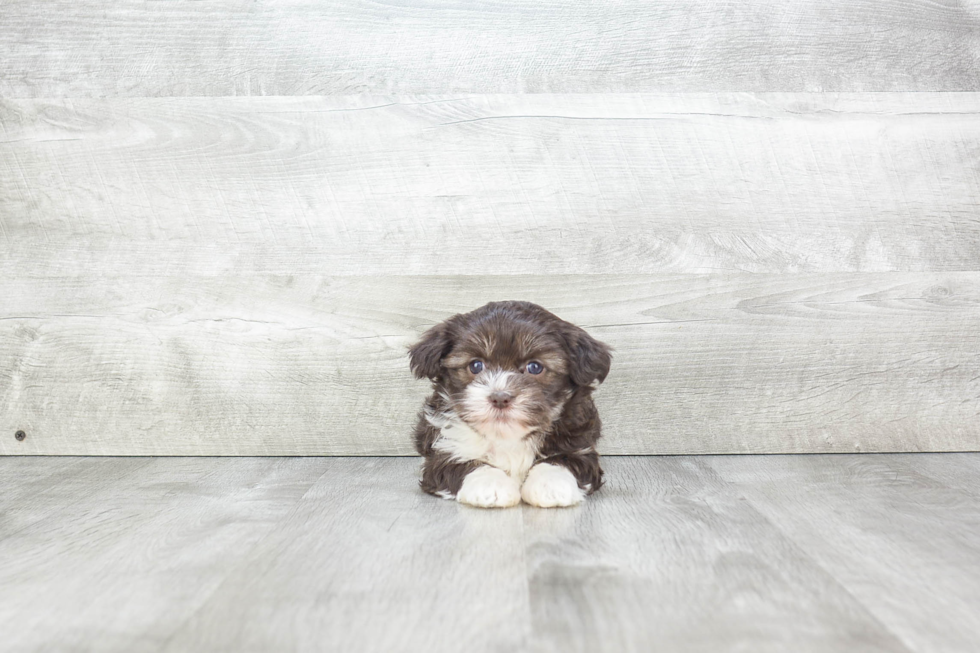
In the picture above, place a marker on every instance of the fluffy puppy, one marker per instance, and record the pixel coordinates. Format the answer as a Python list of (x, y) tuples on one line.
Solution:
[(511, 414)]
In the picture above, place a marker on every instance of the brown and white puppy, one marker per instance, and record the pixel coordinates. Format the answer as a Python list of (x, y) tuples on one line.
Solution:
[(511, 415)]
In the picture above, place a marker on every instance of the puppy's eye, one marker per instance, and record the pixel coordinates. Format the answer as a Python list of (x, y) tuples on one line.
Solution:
[(534, 367), (475, 367)]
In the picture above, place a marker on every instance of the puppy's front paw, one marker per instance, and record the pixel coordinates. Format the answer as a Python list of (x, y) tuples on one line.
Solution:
[(551, 486), (489, 487)]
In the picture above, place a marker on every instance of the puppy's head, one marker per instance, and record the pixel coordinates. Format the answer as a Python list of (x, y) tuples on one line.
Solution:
[(508, 368)]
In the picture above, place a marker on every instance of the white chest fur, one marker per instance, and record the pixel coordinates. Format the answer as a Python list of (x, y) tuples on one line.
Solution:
[(512, 455)]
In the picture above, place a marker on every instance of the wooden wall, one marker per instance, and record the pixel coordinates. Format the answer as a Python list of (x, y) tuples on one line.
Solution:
[(222, 223)]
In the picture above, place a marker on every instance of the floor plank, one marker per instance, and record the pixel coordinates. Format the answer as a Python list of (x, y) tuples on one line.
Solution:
[(666, 557), (42, 486), (905, 545), (735, 553), (366, 562), (956, 470), (127, 560)]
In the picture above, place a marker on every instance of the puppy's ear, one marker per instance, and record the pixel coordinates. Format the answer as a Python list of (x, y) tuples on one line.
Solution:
[(589, 359), (425, 356)]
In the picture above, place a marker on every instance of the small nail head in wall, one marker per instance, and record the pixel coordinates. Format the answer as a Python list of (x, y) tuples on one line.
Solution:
[(20, 435)]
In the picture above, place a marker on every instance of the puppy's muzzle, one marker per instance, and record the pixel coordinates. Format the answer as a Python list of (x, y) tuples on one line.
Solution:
[(501, 399)]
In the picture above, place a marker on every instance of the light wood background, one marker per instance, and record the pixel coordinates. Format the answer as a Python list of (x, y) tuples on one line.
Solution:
[(221, 224)]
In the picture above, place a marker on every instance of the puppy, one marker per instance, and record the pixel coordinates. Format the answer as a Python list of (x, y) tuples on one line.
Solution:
[(511, 415)]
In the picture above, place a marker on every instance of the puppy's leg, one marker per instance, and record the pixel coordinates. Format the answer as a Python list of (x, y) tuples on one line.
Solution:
[(489, 487), (563, 480), (472, 483), (443, 477)]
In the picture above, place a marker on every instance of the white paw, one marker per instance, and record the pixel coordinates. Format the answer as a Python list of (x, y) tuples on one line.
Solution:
[(550, 486), (489, 487)]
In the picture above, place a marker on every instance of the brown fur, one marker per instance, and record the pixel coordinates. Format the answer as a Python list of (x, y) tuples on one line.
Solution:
[(506, 335)]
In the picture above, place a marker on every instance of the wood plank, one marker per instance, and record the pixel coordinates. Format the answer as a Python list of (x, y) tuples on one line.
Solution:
[(802, 553), (666, 557), (94, 48), (270, 365), (903, 544), (541, 184), (34, 470), (125, 563), (33, 488), (366, 562), (960, 471)]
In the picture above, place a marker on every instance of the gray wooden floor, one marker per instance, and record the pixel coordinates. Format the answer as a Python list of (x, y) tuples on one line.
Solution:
[(750, 553)]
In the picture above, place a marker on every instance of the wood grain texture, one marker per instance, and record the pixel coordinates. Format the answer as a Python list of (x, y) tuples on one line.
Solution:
[(903, 544), (675, 554), (125, 561), (94, 48), (366, 562), (953, 470), (39, 487), (511, 184), (667, 557), (270, 364)]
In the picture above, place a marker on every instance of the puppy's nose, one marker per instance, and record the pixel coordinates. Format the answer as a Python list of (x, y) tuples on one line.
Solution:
[(501, 399)]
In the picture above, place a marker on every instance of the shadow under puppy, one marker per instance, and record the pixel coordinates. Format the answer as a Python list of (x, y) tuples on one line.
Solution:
[(511, 415)]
